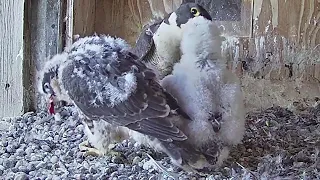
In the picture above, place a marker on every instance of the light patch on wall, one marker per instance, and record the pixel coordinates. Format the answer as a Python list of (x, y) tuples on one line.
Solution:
[(275, 12)]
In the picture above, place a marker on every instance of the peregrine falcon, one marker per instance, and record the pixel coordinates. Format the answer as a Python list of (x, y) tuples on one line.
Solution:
[(107, 82), (159, 43), (158, 46), (207, 91)]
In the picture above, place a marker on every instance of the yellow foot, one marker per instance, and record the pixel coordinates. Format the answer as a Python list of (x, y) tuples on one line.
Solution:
[(111, 152), (88, 150)]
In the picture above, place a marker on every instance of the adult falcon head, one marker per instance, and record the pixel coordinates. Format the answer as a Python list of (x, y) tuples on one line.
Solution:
[(159, 43)]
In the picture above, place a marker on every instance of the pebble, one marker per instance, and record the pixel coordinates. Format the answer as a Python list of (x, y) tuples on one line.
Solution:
[(36, 149), (41, 165), (54, 159), (29, 150), (46, 148), (21, 176), (20, 152), (10, 148)]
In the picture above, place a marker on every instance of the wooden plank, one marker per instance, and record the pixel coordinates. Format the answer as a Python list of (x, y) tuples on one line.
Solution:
[(123, 18), (69, 22), (11, 58), (46, 24), (84, 16), (285, 38)]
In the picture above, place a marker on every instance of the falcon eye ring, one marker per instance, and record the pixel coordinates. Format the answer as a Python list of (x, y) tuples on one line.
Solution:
[(195, 12), (46, 85)]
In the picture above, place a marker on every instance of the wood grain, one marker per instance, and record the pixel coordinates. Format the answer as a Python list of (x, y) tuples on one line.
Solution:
[(283, 38), (122, 18), (84, 17), (11, 58), (274, 43)]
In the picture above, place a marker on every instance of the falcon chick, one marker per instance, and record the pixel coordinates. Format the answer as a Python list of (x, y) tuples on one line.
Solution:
[(208, 92), (159, 43), (108, 83)]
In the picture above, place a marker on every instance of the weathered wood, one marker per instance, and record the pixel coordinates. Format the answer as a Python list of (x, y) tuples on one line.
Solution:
[(11, 58), (285, 38), (46, 23), (84, 16), (69, 22), (284, 53), (271, 43)]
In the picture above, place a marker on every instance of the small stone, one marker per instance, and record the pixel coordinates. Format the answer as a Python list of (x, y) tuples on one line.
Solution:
[(54, 159), (23, 169), (31, 167), (89, 176), (8, 163), (122, 177), (35, 157), (115, 173), (5, 155), (21, 125), (140, 164), (21, 140), (116, 160), (19, 163), (136, 160), (41, 165), (46, 148), (104, 176), (21, 176), (57, 152), (20, 152), (77, 176), (32, 173), (153, 177), (10, 149), (29, 150), (132, 177), (14, 169), (92, 170), (135, 168), (4, 142)]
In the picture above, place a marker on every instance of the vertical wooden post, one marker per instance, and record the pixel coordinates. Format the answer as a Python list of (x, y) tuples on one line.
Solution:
[(45, 22), (11, 58)]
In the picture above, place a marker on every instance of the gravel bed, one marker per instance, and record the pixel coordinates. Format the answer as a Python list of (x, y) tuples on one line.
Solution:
[(278, 144)]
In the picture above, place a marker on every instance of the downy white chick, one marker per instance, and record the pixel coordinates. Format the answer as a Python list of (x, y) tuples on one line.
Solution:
[(207, 91)]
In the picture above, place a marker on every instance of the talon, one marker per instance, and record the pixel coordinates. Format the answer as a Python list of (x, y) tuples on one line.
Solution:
[(88, 150), (215, 121)]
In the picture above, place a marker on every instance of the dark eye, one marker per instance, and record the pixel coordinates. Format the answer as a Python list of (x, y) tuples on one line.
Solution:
[(46, 85), (195, 11)]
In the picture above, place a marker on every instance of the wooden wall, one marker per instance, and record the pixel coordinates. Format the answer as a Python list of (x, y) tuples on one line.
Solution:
[(11, 58), (273, 46)]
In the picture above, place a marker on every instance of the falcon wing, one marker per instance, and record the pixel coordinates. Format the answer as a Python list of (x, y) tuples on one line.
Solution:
[(145, 47), (117, 87)]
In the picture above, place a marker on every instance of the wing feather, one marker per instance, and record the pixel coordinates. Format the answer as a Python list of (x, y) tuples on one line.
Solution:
[(144, 108)]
